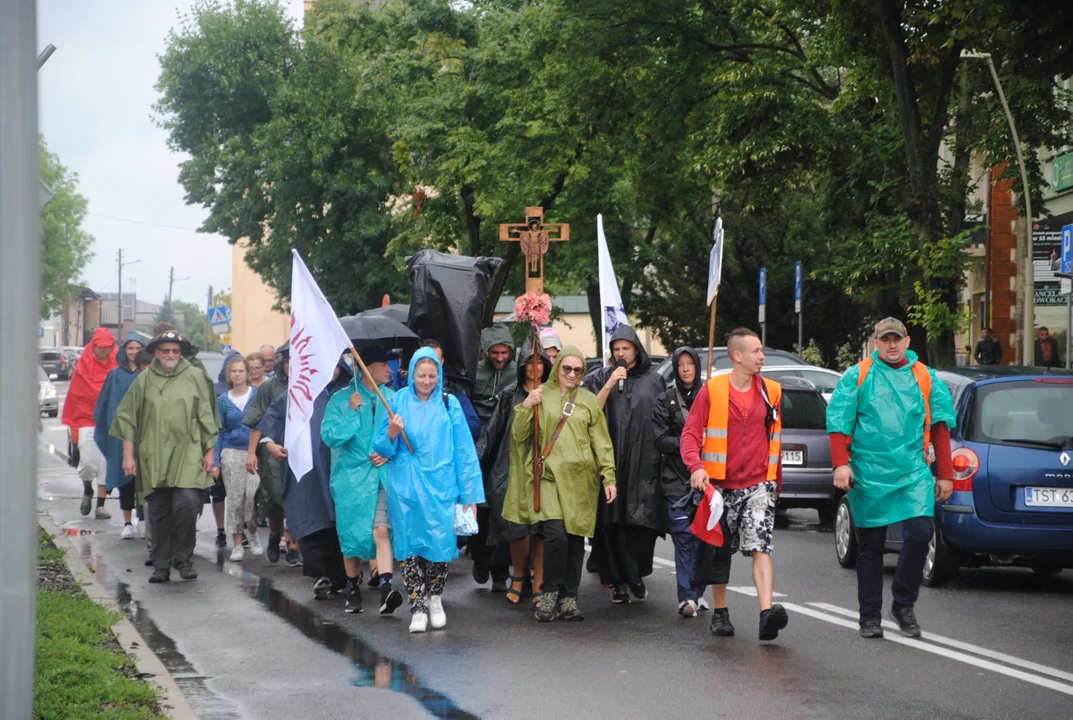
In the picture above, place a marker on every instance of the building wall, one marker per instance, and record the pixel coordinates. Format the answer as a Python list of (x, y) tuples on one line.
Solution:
[(253, 321)]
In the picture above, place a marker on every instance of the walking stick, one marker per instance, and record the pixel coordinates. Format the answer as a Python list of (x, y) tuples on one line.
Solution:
[(536, 362), (376, 389)]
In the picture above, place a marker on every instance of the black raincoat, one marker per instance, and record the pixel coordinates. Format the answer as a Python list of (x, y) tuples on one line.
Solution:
[(637, 461), (493, 449), (490, 382), (668, 420)]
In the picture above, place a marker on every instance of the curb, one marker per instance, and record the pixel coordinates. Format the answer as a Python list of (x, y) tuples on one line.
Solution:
[(172, 701)]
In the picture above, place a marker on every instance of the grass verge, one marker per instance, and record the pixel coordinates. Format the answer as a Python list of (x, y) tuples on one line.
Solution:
[(81, 672)]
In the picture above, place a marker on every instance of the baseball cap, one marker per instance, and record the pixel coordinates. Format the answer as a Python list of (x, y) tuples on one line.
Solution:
[(886, 326), (550, 339)]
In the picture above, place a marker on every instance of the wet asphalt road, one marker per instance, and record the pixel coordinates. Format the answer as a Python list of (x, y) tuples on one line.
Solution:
[(248, 641)]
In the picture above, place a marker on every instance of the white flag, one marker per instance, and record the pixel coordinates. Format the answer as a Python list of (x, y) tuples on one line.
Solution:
[(610, 298), (317, 341), (715, 262)]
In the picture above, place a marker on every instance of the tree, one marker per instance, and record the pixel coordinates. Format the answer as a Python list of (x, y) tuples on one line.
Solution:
[(65, 245), (164, 314), (195, 324)]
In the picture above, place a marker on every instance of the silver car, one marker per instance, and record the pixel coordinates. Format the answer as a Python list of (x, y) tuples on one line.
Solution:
[(47, 402)]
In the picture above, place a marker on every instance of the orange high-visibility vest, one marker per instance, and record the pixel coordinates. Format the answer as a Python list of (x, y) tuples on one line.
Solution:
[(923, 378), (714, 455)]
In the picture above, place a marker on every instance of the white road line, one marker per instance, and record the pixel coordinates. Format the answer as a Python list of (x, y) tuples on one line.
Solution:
[(967, 647), (751, 591), (936, 650)]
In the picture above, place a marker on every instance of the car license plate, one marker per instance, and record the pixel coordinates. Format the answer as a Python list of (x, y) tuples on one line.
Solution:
[(1049, 497), (793, 457)]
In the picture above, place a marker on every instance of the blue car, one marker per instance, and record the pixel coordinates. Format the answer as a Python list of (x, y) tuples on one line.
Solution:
[(1013, 487)]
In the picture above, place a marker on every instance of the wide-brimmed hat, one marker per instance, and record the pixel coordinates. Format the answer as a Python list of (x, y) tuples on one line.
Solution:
[(170, 336), (375, 354), (886, 326)]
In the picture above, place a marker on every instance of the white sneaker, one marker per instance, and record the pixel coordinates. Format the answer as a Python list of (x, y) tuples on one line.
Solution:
[(255, 544), (687, 609), (702, 604), (237, 554), (419, 623), (141, 524), (437, 616), (128, 532)]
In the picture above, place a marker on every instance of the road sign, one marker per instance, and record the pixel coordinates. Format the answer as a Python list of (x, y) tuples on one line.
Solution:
[(797, 287), (225, 349), (225, 338), (1067, 249), (219, 315), (763, 293)]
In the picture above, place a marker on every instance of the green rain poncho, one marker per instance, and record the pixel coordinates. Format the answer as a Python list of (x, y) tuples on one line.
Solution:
[(355, 483), (173, 420), (582, 456), (885, 417)]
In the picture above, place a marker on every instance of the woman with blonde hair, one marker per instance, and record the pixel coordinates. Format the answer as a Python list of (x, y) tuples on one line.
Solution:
[(240, 485)]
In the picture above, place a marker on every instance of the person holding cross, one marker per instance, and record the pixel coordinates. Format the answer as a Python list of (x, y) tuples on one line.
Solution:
[(576, 458)]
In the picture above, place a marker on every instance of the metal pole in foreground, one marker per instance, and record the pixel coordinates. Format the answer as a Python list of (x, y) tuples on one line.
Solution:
[(1069, 331), (20, 276)]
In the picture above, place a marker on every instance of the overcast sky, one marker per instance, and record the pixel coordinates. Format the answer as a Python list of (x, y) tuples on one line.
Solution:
[(95, 98)]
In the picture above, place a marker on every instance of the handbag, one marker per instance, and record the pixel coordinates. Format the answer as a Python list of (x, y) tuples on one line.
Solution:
[(465, 521)]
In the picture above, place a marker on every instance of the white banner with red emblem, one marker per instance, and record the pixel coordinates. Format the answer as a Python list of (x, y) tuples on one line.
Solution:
[(317, 341)]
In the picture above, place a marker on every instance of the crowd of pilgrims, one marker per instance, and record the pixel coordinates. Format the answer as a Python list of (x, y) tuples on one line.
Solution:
[(391, 488)]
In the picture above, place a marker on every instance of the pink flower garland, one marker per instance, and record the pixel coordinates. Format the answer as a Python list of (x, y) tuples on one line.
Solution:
[(533, 309)]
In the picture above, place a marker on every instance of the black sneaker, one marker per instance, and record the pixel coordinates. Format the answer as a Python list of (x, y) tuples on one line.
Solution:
[(772, 620), (353, 598), (568, 610), (390, 599), (221, 539), (272, 551), (621, 594), (480, 575), (639, 590), (499, 585), (161, 575), (374, 579), (906, 619), (871, 629), (187, 571), (720, 625), (322, 588), (149, 562)]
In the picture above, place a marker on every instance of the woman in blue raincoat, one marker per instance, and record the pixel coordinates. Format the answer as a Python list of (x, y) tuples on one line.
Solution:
[(115, 387), (426, 484), (359, 477)]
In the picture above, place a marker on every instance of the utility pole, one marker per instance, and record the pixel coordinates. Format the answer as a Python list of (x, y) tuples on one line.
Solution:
[(210, 333), (119, 306), (171, 281)]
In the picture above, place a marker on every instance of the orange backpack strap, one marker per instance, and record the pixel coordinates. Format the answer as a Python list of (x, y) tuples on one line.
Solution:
[(862, 369)]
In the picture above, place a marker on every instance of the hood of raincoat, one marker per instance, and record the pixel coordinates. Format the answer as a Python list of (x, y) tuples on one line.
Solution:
[(87, 380), (425, 354), (568, 351), (625, 332), (498, 334), (221, 379), (687, 394), (121, 353), (524, 355)]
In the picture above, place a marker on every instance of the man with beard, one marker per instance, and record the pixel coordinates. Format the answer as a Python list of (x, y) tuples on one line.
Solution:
[(628, 526), (98, 359), (170, 413), (258, 459), (495, 372)]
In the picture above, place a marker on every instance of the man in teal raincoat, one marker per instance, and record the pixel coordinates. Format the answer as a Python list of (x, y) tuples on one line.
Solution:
[(359, 477), (879, 419)]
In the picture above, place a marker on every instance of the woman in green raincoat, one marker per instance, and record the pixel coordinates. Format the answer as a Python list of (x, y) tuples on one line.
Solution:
[(581, 459), (359, 478)]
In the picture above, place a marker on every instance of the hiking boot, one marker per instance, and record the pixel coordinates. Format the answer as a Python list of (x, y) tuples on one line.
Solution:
[(87, 499), (322, 588), (272, 551), (687, 609), (772, 620), (720, 625), (101, 514), (621, 594), (568, 610), (149, 562), (353, 598), (160, 575), (390, 599), (906, 619), (640, 591), (545, 611), (187, 571), (871, 629)]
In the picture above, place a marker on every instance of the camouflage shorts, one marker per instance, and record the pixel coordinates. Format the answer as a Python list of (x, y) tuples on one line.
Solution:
[(750, 515)]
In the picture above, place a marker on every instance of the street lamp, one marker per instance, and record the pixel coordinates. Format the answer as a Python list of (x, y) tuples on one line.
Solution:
[(1026, 283)]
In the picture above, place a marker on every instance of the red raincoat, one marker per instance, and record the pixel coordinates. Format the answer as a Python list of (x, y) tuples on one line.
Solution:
[(87, 381)]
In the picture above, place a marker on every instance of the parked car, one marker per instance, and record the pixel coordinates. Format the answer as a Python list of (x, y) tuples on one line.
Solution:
[(47, 402), (213, 362), (772, 358), (825, 380), (55, 363), (1013, 477), (807, 477)]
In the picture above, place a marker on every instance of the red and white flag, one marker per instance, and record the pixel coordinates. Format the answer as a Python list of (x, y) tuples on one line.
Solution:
[(317, 341)]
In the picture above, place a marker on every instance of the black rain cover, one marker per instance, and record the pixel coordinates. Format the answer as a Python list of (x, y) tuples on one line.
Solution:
[(449, 294)]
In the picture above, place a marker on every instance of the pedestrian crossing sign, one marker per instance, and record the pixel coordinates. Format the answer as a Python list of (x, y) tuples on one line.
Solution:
[(219, 315)]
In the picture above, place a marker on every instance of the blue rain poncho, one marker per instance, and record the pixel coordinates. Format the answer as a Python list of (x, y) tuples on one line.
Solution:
[(885, 418), (115, 387), (425, 487), (355, 483)]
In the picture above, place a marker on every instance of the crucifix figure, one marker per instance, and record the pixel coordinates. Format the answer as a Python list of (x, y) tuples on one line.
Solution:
[(535, 238)]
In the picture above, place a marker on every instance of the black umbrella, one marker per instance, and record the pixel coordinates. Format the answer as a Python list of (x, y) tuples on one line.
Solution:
[(396, 311), (364, 330)]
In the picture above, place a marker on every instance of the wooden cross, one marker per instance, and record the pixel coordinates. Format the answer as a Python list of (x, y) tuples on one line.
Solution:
[(535, 238)]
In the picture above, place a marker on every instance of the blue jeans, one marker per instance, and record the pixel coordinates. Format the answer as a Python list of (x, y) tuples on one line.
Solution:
[(685, 552), (916, 534)]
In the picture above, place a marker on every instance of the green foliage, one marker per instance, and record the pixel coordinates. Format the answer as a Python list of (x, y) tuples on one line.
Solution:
[(811, 353), (65, 246), (846, 357), (195, 324), (164, 314)]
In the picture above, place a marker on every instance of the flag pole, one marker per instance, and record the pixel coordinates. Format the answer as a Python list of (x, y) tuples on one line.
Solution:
[(711, 335), (376, 389)]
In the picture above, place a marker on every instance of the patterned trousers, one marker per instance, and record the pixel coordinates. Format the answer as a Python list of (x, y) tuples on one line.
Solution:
[(423, 578), (240, 487)]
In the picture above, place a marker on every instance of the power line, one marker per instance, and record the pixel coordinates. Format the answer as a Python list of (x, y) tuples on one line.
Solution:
[(142, 222)]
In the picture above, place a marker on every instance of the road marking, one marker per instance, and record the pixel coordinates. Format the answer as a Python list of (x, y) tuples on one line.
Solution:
[(919, 644), (967, 647), (751, 591)]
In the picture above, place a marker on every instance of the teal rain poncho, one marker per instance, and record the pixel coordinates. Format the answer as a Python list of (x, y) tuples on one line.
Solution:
[(355, 483), (425, 487), (885, 417)]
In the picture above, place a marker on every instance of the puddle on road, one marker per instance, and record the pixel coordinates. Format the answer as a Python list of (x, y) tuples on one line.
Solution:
[(374, 668)]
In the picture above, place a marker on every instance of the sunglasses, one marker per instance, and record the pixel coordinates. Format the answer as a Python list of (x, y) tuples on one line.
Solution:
[(169, 351), (567, 370)]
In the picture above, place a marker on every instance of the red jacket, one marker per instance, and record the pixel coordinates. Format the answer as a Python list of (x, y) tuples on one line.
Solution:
[(87, 380)]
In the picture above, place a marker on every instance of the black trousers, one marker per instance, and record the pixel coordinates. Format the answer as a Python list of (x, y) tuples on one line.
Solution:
[(126, 496), (564, 555), (173, 523), (494, 558), (322, 557), (625, 553), (916, 534)]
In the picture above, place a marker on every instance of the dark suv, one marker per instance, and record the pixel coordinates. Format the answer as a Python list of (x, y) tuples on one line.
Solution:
[(55, 363), (807, 477)]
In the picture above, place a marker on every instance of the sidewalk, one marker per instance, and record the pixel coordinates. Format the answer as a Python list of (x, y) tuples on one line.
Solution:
[(228, 652)]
